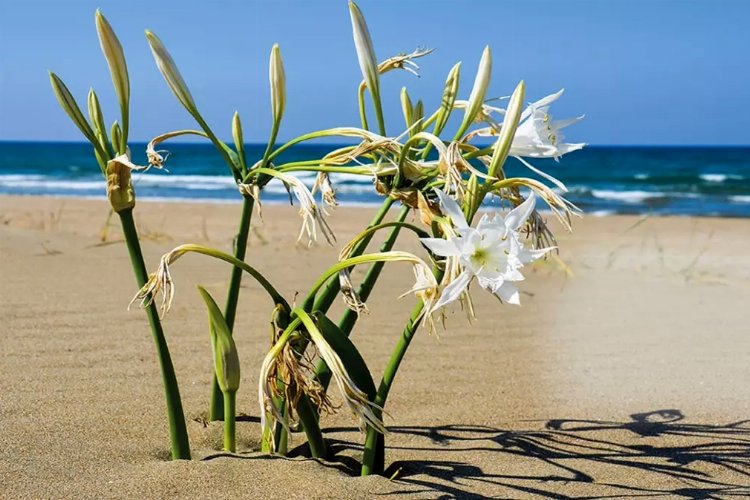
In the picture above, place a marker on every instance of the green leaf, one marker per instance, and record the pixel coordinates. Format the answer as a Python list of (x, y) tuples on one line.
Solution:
[(226, 359), (350, 356)]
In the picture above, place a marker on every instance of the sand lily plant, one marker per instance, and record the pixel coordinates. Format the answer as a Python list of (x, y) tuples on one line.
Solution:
[(474, 222), (113, 155)]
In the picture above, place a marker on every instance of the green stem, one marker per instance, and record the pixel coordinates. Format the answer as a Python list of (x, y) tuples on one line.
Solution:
[(369, 463), (326, 297), (349, 318), (216, 406), (179, 443), (308, 416), (230, 399)]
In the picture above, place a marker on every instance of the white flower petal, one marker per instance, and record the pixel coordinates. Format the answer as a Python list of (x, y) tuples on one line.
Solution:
[(441, 247), (450, 208), (508, 293), (517, 217), (453, 291)]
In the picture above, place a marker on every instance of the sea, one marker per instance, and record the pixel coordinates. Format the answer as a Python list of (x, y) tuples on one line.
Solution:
[(703, 181)]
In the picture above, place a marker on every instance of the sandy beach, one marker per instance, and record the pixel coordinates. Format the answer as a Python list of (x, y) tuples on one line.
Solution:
[(624, 373)]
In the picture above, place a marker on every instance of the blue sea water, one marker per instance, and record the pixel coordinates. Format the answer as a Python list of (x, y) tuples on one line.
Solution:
[(709, 181)]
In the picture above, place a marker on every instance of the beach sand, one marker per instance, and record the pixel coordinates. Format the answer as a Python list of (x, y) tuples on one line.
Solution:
[(627, 375)]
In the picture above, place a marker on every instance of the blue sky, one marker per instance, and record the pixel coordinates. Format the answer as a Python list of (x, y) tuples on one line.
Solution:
[(643, 72)]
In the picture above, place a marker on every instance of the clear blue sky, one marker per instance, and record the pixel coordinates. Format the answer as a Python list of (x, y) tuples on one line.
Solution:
[(643, 72)]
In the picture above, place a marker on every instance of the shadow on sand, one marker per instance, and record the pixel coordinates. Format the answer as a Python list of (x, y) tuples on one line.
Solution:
[(651, 455)]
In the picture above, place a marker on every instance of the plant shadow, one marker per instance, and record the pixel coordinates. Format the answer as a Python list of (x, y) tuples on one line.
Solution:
[(654, 454)]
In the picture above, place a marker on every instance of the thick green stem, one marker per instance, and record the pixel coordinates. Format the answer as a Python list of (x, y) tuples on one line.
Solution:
[(369, 463), (308, 416), (349, 318), (325, 298), (179, 443), (216, 407), (230, 433)]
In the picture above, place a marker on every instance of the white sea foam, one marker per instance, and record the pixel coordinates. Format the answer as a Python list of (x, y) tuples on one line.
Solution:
[(600, 213), (740, 198), (627, 196), (719, 177), (641, 177)]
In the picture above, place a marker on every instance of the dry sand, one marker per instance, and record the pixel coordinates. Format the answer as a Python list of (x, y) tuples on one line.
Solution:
[(629, 377)]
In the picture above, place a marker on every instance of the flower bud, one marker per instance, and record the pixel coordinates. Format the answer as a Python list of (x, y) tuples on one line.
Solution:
[(115, 133), (69, 105), (417, 115), (365, 51), (97, 119), (478, 92), (407, 108), (226, 359), (118, 69), (171, 74), (510, 124), (450, 91), (239, 144), (277, 80), (119, 188)]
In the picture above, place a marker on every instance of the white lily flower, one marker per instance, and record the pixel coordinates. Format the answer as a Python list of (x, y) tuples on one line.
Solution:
[(492, 252), (539, 136)]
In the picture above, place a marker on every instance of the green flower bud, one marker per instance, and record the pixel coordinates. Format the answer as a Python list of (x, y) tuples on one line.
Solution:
[(277, 80), (226, 359), (450, 92), (510, 124), (118, 69), (368, 63), (69, 105), (478, 92), (239, 143), (407, 108), (97, 119), (116, 133), (171, 74)]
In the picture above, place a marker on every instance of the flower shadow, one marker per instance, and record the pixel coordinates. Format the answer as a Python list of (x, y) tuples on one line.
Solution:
[(654, 454)]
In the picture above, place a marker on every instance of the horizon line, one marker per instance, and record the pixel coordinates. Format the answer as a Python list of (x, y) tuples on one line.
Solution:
[(326, 143)]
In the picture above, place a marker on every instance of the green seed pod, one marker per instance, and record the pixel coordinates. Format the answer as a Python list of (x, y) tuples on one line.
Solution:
[(226, 359), (118, 69)]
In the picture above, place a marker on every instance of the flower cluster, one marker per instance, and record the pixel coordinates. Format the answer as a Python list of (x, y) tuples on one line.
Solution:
[(446, 179)]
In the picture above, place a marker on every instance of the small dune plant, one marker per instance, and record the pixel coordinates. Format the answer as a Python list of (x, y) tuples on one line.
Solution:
[(475, 223)]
